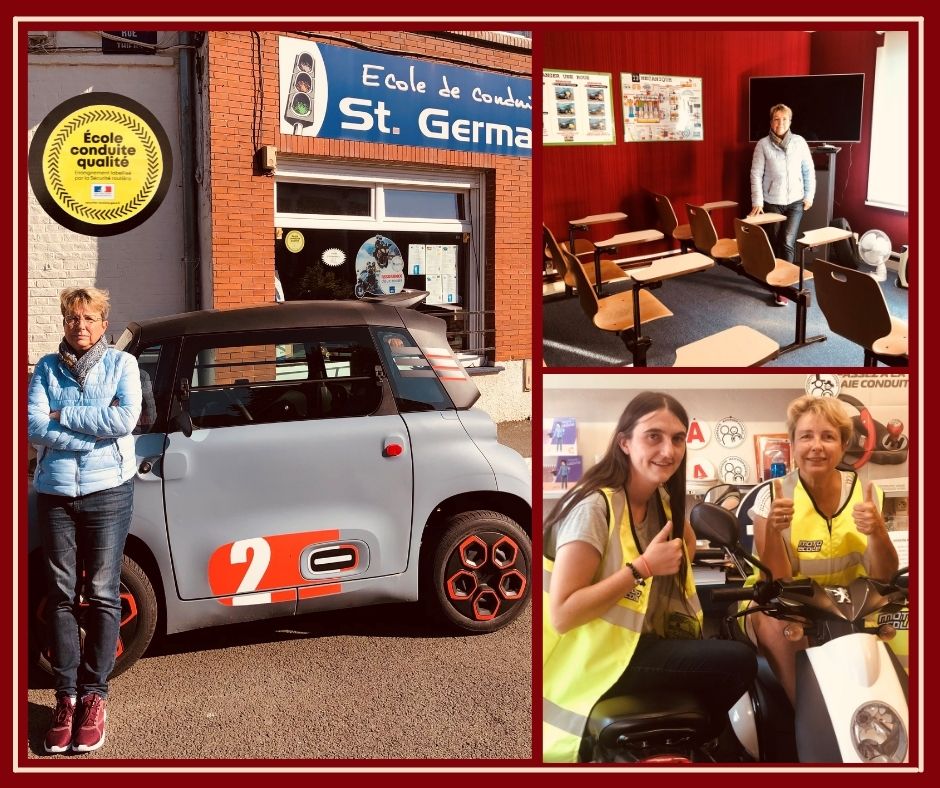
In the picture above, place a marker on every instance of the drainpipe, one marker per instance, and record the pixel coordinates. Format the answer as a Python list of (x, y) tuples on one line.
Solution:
[(187, 87)]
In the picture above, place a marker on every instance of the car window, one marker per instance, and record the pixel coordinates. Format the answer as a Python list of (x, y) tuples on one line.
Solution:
[(414, 381), (298, 376), (148, 362)]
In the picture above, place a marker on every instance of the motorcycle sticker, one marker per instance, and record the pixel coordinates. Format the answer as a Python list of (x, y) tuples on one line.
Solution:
[(380, 268)]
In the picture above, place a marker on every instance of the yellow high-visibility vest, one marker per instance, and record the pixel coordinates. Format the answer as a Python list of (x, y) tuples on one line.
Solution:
[(579, 666)]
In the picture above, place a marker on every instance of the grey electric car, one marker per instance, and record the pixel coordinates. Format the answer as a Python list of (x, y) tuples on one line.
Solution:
[(310, 456)]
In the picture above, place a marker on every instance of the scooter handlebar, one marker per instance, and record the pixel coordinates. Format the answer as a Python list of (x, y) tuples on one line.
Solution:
[(732, 594)]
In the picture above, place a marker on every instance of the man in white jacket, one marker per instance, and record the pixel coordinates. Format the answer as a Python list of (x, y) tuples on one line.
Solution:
[(783, 180)]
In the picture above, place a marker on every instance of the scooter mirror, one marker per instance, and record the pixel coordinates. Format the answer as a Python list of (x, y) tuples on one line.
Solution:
[(716, 524)]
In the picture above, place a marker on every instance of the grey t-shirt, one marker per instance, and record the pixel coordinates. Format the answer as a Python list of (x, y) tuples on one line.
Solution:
[(587, 522)]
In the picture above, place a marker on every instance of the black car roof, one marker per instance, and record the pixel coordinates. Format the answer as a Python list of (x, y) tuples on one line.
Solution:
[(290, 314)]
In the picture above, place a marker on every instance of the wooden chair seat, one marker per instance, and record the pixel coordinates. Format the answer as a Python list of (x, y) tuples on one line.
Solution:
[(609, 269), (895, 343), (786, 274), (610, 272), (739, 346), (615, 312), (683, 232), (725, 249)]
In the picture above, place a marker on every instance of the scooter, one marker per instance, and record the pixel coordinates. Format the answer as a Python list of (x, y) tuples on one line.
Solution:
[(660, 728), (851, 697)]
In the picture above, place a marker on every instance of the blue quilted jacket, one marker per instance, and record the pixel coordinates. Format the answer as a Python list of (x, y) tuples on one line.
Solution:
[(90, 447)]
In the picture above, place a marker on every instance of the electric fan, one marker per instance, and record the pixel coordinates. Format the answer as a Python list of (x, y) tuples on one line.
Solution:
[(874, 247)]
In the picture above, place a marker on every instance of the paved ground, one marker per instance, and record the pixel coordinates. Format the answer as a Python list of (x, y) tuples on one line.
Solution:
[(516, 435), (365, 684)]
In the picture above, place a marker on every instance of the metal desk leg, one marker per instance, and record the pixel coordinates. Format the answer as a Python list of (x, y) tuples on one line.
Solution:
[(633, 338)]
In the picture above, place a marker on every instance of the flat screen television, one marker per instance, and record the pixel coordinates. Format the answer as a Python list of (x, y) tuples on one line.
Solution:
[(826, 107)]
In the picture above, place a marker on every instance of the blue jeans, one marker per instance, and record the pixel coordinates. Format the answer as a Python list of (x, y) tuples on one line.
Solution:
[(718, 672), (783, 234), (85, 533)]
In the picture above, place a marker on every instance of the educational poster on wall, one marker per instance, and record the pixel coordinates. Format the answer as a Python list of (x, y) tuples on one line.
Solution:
[(660, 108), (577, 109)]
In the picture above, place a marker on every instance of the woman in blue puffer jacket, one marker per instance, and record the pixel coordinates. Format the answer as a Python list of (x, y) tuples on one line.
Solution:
[(84, 402)]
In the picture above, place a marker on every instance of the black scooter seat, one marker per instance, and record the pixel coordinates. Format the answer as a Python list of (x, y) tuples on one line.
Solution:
[(644, 716)]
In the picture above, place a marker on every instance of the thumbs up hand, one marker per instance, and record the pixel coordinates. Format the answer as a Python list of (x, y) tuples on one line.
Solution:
[(867, 514), (781, 510), (663, 555)]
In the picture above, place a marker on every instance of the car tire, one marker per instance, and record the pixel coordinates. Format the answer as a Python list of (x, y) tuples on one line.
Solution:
[(479, 577), (139, 613)]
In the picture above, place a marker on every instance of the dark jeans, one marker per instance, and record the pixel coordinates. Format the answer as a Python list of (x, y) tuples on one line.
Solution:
[(87, 533), (718, 672), (783, 234)]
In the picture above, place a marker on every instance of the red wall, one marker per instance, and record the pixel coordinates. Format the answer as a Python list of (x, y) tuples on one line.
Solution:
[(844, 52), (583, 180)]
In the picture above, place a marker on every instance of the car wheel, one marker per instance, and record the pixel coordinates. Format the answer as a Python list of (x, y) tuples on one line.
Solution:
[(138, 620), (479, 576)]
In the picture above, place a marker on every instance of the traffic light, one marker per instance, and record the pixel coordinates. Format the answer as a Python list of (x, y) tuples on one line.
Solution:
[(299, 109)]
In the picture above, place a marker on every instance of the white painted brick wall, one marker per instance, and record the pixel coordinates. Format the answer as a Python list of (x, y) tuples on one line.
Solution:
[(141, 268)]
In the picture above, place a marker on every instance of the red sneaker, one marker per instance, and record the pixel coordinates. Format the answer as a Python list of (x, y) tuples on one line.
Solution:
[(59, 736), (93, 714)]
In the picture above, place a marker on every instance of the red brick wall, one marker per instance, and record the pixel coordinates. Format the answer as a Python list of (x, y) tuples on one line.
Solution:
[(243, 203)]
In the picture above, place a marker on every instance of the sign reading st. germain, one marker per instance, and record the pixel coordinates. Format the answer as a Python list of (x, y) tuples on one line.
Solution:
[(344, 93)]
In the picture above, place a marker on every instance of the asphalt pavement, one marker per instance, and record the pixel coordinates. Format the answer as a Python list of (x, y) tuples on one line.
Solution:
[(373, 684)]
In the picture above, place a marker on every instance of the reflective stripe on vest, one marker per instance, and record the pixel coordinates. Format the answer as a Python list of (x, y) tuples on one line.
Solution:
[(582, 664), (830, 551)]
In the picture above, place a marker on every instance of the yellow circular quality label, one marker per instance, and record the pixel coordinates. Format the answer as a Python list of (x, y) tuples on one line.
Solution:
[(294, 241), (100, 164)]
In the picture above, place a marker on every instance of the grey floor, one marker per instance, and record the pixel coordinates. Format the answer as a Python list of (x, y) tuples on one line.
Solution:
[(702, 304)]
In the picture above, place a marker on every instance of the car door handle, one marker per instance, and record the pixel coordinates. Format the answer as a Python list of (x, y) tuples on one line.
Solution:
[(393, 446)]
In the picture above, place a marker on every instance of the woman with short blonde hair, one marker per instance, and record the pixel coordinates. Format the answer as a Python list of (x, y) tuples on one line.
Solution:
[(83, 404)]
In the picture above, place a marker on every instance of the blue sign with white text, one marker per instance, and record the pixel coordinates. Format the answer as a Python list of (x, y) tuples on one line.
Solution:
[(345, 93)]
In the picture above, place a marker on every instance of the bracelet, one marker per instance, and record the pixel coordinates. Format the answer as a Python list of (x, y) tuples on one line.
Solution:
[(637, 577), (646, 565)]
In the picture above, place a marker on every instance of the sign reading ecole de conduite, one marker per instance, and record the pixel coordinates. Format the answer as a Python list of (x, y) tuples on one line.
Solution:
[(344, 93), (100, 164)]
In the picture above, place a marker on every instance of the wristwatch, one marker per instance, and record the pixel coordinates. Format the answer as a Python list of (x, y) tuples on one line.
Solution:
[(640, 580)]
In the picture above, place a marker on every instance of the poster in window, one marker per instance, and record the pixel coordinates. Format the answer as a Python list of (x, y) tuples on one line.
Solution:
[(661, 108), (577, 108)]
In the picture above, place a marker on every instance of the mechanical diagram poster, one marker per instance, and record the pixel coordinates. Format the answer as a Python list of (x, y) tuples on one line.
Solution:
[(577, 109), (658, 108)]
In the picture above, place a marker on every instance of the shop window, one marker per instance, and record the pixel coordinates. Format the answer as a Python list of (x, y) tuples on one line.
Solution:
[(424, 232), (321, 199), (414, 204), (324, 374)]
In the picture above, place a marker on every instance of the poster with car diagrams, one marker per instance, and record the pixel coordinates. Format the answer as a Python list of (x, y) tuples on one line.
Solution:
[(660, 108), (577, 109)]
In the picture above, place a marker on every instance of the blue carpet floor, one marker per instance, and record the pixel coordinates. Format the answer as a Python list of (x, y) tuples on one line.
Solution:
[(702, 304)]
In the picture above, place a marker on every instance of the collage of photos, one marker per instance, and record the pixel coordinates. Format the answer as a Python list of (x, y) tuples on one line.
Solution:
[(309, 397)]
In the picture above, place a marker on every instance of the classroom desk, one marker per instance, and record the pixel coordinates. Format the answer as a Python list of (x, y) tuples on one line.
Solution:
[(810, 240), (611, 245), (738, 346), (584, 223), (711, 206), (651, 277), (765, 218)]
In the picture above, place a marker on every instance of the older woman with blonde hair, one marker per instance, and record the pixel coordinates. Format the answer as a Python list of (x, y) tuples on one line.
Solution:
[(83, 404), (817, 522)]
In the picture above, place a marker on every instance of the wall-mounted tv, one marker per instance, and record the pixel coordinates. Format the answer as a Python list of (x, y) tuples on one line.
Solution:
[(826, 107)]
